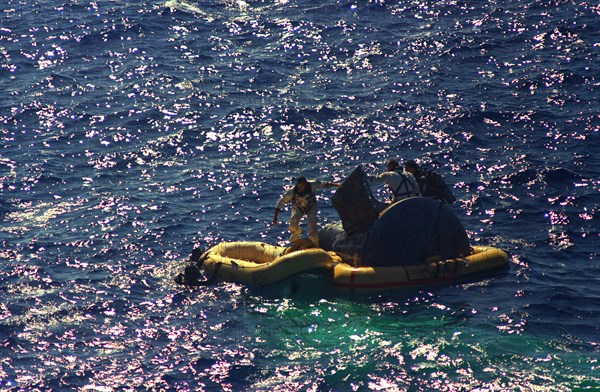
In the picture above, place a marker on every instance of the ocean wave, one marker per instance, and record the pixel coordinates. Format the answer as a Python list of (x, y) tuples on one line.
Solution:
[(158, 126), (560, 176)]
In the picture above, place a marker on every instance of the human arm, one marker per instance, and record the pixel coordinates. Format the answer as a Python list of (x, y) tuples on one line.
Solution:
[(448, 195), (286, 198), (441, 189), (275, 215), (380, 178), (323, 184)]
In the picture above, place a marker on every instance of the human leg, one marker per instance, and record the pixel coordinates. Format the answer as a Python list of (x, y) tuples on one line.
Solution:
[(313, 231), (294, 227)]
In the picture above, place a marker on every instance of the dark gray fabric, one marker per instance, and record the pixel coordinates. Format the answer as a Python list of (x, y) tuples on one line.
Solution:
[(406, 233), (413, 230), (354, 202), (349, 246)]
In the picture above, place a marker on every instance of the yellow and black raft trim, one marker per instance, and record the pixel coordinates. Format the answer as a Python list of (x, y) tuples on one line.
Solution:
[(483, 261), (260, 264)]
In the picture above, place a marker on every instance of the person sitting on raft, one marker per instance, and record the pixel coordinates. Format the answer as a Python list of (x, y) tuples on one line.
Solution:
[(401, 183), (304, 202), (432, 184)]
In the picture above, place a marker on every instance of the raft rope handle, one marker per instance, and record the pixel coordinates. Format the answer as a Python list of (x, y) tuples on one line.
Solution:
[(234, 268), (407, 274)]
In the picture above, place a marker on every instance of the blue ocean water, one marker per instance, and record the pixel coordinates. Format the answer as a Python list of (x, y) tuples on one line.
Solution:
[(131, 132)]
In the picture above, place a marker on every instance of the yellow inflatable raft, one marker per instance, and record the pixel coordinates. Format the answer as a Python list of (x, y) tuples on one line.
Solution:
[(483, 261), (260, 264)]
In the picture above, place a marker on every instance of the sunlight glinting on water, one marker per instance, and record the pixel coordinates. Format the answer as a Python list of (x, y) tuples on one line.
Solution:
[(133, 132)]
